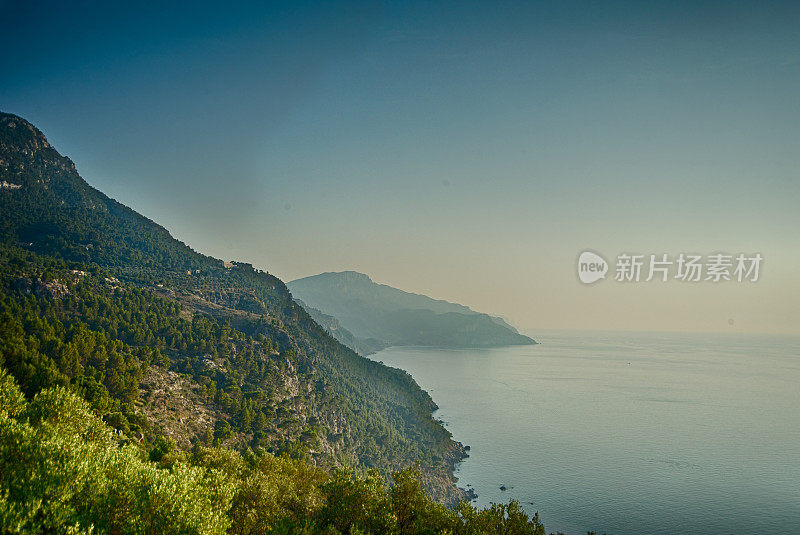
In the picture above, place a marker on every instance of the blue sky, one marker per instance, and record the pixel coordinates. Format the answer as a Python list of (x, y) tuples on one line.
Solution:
[(466, 150)]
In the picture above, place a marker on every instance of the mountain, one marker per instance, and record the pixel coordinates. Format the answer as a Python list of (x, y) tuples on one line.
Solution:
[(362, 346), (162, 341), (380, 312)]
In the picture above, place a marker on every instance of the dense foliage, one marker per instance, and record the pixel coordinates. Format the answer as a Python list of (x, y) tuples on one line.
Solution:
[(62, 468)]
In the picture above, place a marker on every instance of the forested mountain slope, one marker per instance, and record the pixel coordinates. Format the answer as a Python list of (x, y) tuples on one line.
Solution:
[(160, 339)]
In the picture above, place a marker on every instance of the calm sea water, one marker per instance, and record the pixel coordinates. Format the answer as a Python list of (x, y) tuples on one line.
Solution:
[(627, 433)]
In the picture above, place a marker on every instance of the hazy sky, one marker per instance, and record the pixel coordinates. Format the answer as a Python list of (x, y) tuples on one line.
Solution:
[(468, 151)]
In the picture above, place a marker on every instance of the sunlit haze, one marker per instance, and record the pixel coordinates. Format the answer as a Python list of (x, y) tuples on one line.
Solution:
[(469, 152)]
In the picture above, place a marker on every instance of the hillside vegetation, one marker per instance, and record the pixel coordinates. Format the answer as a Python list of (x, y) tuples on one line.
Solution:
[(97, 298), (64, 470)]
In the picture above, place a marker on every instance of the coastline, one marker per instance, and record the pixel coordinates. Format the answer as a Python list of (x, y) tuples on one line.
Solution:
[(449, 493)]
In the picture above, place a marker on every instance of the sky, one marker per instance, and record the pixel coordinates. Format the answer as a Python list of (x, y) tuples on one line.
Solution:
[(468, 151)]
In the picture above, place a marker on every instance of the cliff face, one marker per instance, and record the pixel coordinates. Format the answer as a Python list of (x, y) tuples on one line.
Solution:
[(256, 367)]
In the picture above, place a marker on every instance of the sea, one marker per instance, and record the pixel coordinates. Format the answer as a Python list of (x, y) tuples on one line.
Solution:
[(626, 433)]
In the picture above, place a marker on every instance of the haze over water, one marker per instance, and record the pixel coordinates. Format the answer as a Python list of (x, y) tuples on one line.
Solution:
[(627, 433)]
